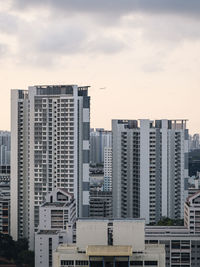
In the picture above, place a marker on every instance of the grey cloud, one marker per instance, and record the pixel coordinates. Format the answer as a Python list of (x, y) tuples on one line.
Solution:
[(107, 45), (8, 23), (3, 50), (46, 43), (118, 7), (65, 40)]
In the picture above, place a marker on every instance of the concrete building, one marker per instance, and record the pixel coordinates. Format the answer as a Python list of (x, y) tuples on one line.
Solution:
[(50, 149), (99, 139), (58, 210), (100, 204), (182, 248), (57, 221), (109, 243), (5, 174), (194, 142), (4, 209), (5, 199), (150, 168), (4, 148), (107, 185), (192, 213)]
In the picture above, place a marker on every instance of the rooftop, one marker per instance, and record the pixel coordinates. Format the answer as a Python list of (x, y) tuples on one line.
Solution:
[(109, 250)]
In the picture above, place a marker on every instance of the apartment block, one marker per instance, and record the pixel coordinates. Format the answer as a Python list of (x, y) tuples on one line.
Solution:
[(5, 148), (107, 185), (150, 168), (100, 204), (99, 139), (50, 128)]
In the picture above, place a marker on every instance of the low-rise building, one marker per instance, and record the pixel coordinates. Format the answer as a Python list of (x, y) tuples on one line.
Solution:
[(192, 213), (57, 221), (108, 243), (182, 247)]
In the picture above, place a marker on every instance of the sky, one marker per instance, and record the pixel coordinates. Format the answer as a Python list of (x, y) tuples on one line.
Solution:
[(145, 53)]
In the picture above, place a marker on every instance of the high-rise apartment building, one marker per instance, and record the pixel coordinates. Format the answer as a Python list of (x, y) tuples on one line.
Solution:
[(4, 148), (50, 128), (100, 203), (107, 185), (150, 168), (5, 182), (99, 139)]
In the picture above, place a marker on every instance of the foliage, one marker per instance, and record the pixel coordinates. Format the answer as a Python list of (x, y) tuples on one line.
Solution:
[(16, 251), (165, 221)]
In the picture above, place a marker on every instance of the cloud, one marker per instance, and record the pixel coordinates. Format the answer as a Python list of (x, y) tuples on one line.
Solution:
[(4, 49), (120, 7), (8, 23)]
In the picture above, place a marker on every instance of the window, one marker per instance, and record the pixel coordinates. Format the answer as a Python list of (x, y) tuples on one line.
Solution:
[(151, 263)]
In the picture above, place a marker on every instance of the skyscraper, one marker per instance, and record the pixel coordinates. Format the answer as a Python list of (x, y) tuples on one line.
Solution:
[(4, 148), (150, 168), (50, 128), (107, 185), (99, 139)]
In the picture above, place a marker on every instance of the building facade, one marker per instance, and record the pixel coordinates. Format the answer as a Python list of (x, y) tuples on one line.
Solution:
[(182, 248), (192, 213), (4, 148), (107, 185), (109, 243), (4, 209), (57, 222), (99, 139), (50, 128), (100, 203), (150, 168)]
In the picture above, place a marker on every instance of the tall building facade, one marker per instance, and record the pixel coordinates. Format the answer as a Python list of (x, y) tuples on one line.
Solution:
[(4, 148), (99, 139), (50, 128), (150, 168), (5, 182), (107, 185)]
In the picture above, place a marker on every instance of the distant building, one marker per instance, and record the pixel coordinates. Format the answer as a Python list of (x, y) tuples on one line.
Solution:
[(57, 222), (5, 174), (100, 204), (107, 243), (4, 210), (5, 199), (4, 148), (150, 168), (99, 139), (194, 162), (194, 142), (107, 185)]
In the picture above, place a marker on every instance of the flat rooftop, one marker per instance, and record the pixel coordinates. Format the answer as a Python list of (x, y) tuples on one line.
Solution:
[(109, 250)]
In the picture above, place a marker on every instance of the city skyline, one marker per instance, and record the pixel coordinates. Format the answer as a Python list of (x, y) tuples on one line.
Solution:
[(144, 55)]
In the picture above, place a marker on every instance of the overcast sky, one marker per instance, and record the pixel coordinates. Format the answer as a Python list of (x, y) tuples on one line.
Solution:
[(146, 53)]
